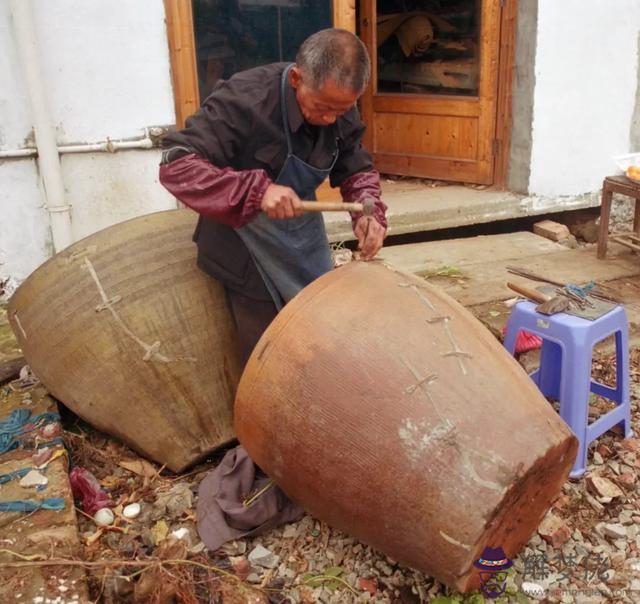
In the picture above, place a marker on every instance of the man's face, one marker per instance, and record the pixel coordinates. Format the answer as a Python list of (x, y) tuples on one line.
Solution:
[(321, 107)]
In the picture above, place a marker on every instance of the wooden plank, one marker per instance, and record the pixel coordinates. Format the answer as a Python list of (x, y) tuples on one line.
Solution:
[(441, 105), (344, 14), (434, 136), (437, 167), (184, 74)]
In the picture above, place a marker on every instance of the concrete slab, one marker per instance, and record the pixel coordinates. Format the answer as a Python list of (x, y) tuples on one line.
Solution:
[(415, 206), (431, 258), (473, 270)]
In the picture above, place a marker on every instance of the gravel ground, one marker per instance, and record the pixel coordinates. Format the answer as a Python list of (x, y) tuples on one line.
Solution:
[(586, 549)]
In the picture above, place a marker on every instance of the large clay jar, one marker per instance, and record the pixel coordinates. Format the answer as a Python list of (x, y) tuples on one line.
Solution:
[(386, 409), (125, 330)]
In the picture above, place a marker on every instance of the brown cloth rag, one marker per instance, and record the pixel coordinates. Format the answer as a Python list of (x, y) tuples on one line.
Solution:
[(221, 514)]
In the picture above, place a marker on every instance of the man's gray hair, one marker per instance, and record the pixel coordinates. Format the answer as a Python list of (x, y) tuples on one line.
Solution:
[(337, 54)]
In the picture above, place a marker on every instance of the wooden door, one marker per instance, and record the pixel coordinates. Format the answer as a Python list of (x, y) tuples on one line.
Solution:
[(430, 108)]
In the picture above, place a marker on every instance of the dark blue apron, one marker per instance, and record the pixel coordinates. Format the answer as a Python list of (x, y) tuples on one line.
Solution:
[(291, 253)]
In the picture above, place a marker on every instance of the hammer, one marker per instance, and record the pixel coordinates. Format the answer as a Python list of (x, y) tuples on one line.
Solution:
[(325, 206), (546, 304)]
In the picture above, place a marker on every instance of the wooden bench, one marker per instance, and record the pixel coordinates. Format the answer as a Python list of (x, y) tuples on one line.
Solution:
[(623, 186)]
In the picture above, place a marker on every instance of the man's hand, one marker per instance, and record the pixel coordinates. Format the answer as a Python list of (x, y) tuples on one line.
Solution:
[(370, 234), (280, 202)]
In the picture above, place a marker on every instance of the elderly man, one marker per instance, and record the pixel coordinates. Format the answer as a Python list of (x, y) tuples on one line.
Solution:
[(262, 141)]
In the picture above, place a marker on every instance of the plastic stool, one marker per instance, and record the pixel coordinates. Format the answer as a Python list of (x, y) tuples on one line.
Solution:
[(565, 369)]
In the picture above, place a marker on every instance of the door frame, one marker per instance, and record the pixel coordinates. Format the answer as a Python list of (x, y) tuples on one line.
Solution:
[(179, 21)]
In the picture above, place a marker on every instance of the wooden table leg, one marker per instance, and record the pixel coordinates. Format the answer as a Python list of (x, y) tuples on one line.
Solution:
[(605, 212), (636, 217)]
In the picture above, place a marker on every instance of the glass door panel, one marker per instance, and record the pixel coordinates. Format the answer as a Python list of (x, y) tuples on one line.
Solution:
[(233, 35), (428, 46)]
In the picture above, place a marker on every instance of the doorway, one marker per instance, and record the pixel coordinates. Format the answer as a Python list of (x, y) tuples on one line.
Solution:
[(431, 106)]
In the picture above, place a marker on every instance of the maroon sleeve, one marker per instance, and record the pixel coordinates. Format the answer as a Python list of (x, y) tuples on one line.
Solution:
[(231, 197), (360, 187)]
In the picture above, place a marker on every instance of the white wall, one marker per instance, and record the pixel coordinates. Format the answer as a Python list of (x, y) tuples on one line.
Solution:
[(106, 69), (586, 81)]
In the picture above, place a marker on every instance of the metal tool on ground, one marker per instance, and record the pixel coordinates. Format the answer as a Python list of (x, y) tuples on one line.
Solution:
[(547, 305), (595, 290), (342, 206)]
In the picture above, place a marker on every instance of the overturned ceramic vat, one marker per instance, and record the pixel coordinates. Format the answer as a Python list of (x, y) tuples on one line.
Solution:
[(386, 409), (125, 330)]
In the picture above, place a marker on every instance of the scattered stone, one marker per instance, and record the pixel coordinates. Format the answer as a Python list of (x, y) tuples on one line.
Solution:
[(290, 532), (368, 585), (240, 566), (571, 242), (181, 533), (631, 444), (597, 459), (33, 478), (627, 481), (234, 548), (604, 450), (535, 540), (197, 548), (254, 578), (615, 531), (603, 487), (554, 531), (625, 517), (594, 503), (551, 230), (261, 556)]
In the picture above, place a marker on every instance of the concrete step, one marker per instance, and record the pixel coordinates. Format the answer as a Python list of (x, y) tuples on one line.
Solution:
[(416, 207)]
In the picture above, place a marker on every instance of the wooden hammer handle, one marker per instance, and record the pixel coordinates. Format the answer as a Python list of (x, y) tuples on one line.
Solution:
[(527, 292), (326, 206)]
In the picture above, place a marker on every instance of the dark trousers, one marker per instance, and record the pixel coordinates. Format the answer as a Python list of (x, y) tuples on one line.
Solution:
[(252, 317)]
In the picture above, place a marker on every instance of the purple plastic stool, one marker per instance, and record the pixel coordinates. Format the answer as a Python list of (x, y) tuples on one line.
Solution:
[(565, 369)]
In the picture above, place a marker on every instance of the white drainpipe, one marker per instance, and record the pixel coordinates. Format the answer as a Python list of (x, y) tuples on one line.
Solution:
[(48, 158)]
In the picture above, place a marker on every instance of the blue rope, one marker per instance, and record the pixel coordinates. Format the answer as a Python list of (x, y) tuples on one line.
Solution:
[(14, 426), (31, 505), (15, 421), (4, 478)]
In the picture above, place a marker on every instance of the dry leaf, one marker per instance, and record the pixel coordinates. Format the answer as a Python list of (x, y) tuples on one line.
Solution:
[(138, 466), (160, 531)]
